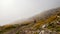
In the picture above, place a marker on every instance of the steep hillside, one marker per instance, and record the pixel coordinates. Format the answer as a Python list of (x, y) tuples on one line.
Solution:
[(45, 23)]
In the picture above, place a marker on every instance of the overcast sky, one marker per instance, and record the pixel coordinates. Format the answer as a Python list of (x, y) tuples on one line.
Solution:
[(12, 10)]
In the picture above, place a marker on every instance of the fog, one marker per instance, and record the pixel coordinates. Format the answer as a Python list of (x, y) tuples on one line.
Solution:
[(12, 10)]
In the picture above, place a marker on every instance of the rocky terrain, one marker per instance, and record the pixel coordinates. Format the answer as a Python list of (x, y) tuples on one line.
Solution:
[(47, 23)]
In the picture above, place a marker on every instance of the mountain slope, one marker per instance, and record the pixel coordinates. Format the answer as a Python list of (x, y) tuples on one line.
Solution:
[(36, 26)]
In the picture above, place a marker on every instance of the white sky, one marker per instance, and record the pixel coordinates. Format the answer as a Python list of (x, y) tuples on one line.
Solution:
[(12, 10)]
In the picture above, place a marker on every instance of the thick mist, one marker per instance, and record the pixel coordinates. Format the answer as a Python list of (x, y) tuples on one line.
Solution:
[(12, 10)]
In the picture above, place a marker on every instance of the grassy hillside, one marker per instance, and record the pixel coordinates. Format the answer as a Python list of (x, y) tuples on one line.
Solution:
[(49, 23)]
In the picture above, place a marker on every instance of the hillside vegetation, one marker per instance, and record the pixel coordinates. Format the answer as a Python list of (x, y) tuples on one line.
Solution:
[(48, 23)]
